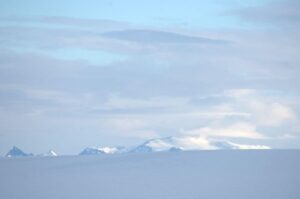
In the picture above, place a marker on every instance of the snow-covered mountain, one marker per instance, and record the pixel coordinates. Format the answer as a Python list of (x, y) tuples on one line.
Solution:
[(188, 143), (102, 150), (16, 152), (172, 144)]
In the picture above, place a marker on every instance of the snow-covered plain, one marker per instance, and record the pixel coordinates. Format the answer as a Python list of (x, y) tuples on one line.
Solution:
[(224, 174)]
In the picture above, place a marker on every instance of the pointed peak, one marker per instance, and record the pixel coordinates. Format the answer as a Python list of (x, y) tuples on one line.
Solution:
[(16, 152), (15, 148)]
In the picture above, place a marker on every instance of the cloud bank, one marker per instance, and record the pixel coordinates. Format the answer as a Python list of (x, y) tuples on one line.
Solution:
[(150, 81)]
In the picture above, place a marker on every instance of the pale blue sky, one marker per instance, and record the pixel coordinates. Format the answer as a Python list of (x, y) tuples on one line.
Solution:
[(97, 73), (203, 14)]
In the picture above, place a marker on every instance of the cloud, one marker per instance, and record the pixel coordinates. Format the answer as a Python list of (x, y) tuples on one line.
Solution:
[(169, 81), (282, 12), (265, 111), (155, 36), (99, 24), (117, 102), (237, 130), (261, 116), (272, 114), (127, 123), (236, 93)]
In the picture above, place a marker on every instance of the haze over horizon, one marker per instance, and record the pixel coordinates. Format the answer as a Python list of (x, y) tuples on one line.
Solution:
[(108, 73)]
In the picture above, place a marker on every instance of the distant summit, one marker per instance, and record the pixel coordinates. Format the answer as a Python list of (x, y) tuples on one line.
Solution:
[(16, 152), (158, 144)]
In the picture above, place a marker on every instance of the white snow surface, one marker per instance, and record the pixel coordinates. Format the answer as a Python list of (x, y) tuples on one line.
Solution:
[(212, 174)]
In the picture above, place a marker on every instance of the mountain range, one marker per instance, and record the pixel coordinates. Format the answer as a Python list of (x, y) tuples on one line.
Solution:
[(171, 144)]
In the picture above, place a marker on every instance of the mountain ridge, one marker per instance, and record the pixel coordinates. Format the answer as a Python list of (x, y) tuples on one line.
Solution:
[(171, 144)]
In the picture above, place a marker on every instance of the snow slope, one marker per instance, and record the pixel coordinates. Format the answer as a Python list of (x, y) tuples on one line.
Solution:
[(224, 174)]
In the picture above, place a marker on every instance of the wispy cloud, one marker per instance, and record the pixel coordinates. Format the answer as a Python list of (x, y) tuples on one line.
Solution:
[(66, 22), (155, 36), (279, 12)]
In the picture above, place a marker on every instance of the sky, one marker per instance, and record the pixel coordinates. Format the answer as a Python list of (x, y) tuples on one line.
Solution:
[(103, 73)]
